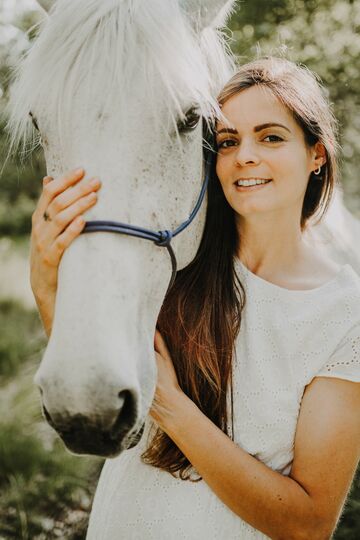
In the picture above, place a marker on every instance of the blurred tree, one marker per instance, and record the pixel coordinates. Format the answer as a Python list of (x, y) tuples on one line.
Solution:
[(19, 184)]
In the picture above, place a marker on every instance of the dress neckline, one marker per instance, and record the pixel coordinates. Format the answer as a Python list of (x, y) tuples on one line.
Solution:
[(256, 278)]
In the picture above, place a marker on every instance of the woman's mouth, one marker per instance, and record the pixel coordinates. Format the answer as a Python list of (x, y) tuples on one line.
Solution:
[(251, 184)]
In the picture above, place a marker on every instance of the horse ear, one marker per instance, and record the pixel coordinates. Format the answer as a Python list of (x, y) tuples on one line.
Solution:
[(46, 4), (207, 13)]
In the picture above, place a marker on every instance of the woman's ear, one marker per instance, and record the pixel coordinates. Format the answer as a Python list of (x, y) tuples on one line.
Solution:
[(205, 13), (319, 155)]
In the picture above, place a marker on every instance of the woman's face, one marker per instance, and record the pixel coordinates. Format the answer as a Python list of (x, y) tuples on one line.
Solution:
[(263, 141)]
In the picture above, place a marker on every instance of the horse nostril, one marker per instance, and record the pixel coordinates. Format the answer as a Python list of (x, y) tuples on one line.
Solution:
[(122, 398), (127, 414), (47, 416)]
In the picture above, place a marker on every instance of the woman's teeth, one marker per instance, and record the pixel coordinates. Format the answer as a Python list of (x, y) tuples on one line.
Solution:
[(251, 182)]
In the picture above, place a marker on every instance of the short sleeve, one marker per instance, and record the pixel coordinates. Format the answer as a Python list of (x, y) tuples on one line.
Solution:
[(344, 363)]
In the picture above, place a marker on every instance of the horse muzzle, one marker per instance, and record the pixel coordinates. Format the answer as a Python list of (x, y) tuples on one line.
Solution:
[(105, 435)]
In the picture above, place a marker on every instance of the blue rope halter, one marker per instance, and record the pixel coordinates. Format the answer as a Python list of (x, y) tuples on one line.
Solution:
[(160, 238)]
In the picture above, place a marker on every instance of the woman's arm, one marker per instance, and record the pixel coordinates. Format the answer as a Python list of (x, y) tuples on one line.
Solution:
[(64, 202), (305, 505), (46, 308)]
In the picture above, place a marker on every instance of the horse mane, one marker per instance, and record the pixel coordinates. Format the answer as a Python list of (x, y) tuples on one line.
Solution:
[(92, 51)]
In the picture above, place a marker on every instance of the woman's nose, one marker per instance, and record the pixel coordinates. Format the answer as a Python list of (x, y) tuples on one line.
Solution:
[(246, 154)]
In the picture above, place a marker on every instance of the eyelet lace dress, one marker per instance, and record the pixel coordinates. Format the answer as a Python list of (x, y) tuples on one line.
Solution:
[(287, 338)]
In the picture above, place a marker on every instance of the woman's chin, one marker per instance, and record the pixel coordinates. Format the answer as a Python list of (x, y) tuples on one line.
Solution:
[(251, 208)]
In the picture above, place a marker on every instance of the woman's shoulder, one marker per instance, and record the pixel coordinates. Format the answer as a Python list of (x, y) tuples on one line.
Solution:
[(327, 307), (317, 269), (343, 275), (304, 332), (320, 270), (315, 278)]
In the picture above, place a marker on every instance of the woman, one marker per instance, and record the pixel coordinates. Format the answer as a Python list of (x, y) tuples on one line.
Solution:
[(259, 342)]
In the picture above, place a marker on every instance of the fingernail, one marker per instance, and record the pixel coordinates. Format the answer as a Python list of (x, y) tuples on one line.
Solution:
[(79, 171), (95, 182)]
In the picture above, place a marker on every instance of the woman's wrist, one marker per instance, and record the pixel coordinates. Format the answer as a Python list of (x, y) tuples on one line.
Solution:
[(172, 416), (46, 307)]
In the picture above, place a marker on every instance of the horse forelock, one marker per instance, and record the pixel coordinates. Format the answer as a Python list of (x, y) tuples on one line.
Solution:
[(98, 49)]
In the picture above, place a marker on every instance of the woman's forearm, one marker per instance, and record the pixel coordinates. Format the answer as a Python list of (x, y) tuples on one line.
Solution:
[(272, 503), (46, 307)]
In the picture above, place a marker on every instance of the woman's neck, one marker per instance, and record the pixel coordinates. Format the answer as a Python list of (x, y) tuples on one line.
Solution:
[(271, 247)]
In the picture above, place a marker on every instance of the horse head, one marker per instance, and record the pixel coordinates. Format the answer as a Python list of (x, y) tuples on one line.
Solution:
[(119, 87)]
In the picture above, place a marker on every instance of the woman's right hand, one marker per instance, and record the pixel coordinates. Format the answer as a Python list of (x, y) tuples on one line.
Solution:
[(64, 201)]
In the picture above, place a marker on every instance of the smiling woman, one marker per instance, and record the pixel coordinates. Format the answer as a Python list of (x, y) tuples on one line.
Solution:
[(259, 343)]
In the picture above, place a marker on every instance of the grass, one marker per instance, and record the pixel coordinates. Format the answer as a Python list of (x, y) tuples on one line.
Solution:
[(45, 492), (21, 337), (349, 526)]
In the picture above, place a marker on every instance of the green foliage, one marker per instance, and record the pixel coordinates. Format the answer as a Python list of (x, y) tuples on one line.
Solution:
[(20, 338), (20, 188), (20, 178), (349, 526), (41, 489), (45, 492)]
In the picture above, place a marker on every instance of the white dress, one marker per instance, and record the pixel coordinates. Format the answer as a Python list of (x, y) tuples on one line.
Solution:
[(287, 338)]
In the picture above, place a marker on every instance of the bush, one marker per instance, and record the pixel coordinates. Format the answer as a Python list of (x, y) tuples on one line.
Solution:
[(45, 492), (42, 492), (21, 336)]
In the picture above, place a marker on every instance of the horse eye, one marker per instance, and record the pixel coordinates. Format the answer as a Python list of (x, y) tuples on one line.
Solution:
[(190, 122)]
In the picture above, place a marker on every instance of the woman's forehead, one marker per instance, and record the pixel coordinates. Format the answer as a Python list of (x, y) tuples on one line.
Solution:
[(254, 106)]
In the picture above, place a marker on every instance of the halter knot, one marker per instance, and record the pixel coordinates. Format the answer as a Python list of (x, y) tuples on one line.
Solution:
[(165, 238)]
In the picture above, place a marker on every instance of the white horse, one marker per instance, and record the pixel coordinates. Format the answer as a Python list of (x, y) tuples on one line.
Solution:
[(109, 82)]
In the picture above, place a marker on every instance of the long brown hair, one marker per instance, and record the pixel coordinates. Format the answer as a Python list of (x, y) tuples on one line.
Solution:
[(201, 315)]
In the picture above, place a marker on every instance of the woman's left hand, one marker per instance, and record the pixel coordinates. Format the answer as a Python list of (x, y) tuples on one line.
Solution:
[(167, 391)]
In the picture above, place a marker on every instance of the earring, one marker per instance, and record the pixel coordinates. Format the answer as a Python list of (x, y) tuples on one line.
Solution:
[(318, 170)]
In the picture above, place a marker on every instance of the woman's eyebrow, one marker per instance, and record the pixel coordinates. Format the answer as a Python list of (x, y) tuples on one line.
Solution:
[(268, 125), (256, 128), (226, 130)]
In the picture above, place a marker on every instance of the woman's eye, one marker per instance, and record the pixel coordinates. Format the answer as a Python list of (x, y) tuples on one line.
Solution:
[(226, 144), (274, 138)]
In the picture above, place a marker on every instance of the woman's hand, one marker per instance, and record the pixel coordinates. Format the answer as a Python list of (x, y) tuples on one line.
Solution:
[(56, 222), (168, 393)]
